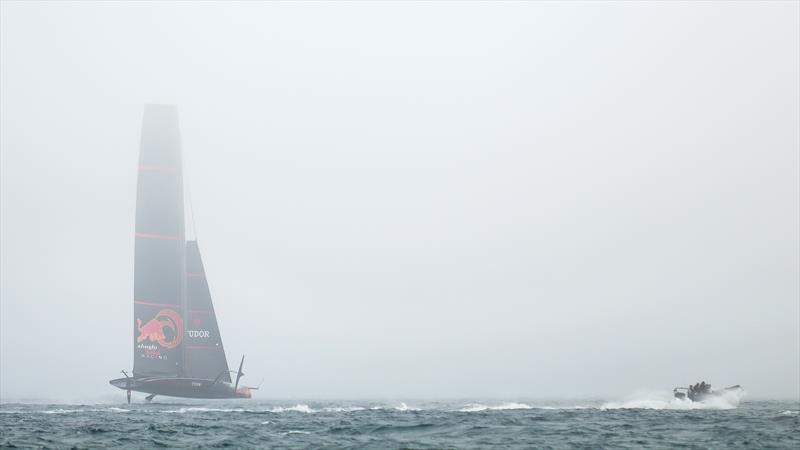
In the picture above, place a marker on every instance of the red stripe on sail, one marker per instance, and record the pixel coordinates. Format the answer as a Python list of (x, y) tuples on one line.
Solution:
[(155, 168), (160, 305), (166, 237)]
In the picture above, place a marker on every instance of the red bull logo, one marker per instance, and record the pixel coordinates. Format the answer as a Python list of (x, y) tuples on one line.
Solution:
[(154, 329)]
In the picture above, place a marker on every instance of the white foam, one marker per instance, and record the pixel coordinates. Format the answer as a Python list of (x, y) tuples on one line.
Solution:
[(403, 407), (295, 432), (62, 411), (661, 400), (80, 410), (345, 409), (477, 407), (296, 408), (112, 409), (199, 409), (789, 412)]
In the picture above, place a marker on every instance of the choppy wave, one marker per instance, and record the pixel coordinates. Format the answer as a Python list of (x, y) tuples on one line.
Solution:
[(510, 423), (477, 407), (303, 408), (201, 409), (63, 411), (652, 400), (75, 410), (344, 409), (296, 408), (404, 407)]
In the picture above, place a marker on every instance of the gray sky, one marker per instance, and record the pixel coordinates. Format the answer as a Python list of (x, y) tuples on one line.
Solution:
[(427, 199)]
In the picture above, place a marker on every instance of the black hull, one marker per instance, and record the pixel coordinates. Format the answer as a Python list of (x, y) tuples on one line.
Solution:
[(181, 387)]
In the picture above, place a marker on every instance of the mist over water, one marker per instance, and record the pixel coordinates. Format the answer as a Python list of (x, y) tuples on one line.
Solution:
[(490, 202)]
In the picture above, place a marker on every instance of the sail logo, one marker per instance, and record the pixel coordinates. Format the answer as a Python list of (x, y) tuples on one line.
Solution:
[(155, 330)]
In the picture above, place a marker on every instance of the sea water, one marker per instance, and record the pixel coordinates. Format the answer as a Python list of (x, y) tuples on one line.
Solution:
[(647, 422)]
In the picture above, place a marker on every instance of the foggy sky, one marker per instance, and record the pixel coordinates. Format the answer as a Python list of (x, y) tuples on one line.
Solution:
[(427, 199)]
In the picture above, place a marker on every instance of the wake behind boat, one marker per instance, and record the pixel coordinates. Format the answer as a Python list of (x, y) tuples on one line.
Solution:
[(701, 392), (177, 345)]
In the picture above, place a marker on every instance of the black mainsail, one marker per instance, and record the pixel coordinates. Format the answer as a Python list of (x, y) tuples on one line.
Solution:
[(176, 340), (159, 267)]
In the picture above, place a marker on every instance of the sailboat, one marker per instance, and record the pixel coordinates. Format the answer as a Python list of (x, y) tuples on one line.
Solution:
[(177, 346)]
